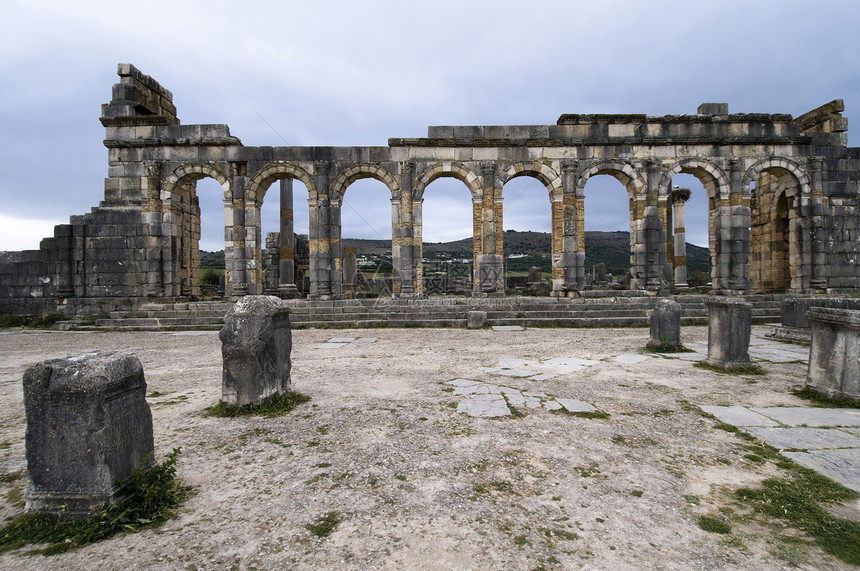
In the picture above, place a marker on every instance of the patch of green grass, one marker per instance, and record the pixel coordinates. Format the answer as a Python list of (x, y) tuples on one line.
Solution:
[(559, 533), (825, 401), (725, 426), (636, 493), (750, 369), (275, 405), (713, 524), (325, 524), (665, 347), (493, 485), (798, 499), (149, 498), (597, 414), (37, 322), (695, 500), (521, 540)]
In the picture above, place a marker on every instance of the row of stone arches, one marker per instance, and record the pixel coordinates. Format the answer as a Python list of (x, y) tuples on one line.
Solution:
[(775, 218)]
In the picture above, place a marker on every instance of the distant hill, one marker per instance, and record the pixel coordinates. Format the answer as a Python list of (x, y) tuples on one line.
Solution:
[(611, 248)]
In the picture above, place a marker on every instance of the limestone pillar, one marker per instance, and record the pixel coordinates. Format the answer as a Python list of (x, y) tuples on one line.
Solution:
[(680, 236), (573, 233), (88, 426), (235, 258), (403, 247), (320, 244), (816, 216), (488, 264), (287, 243), (729, 328), (834, 355)]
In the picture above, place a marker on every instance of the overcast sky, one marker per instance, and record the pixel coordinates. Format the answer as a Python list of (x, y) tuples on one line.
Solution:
[(359, 72)]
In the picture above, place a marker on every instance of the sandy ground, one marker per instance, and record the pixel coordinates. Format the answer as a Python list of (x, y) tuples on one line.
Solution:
[(418, 484)]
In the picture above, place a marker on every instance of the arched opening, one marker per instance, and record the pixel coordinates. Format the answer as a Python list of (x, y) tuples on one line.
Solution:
[(528, 236), (202, 251), (447, 248), (365, 241), (689, 228), (285, 252), (608, 237), (773, 237)]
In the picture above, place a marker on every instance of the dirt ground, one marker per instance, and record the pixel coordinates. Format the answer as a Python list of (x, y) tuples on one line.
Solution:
[(419, 485)]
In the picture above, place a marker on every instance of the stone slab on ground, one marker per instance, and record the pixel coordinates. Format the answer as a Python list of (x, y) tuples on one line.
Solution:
[(507, 328), (738, 416), (832, 451), (806, 416), (487, 400), (841, 465), (804, 438), (573, 405)]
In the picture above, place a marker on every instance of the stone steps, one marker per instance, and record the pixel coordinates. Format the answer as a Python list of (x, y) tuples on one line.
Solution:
[(605, 310)]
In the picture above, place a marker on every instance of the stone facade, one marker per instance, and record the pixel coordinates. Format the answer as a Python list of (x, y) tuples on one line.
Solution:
[(783, 194)]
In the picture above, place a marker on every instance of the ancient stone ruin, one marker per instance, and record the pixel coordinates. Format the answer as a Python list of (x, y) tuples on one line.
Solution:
[(729, 329), (834, 355), (665, 325), (256, 342), (88, 426), (782, 193)]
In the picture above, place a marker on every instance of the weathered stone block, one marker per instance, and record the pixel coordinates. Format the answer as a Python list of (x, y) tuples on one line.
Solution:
[(666, 324), (729, 327), (88, 426), (256, 342), (477, 319), (834, 354)]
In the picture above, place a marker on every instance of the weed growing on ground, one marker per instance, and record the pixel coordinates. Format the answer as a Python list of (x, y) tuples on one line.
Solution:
[(325, 524), (750, 369), (713, 524), (275, 405), (825, 401), (797, 498), (665, 347), (149, 498)]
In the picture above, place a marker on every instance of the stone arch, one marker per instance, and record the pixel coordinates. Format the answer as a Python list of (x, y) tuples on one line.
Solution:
[(775, 224), (180, 200), (451, 169), (359, 171), (194, 172), (712, 177), (623, 172), (537, 169), (259, 183), (777, 164)]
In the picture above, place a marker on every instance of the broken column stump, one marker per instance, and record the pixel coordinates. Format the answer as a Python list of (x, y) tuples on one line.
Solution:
[(666, 325), (834, 354), (729, 328), (256, 341), (477, 319), (88, 426)]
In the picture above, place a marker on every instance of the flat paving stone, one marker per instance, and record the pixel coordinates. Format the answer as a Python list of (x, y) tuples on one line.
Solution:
[(630, 358), (341, 340), (193, 333), (366, 340), (804, 438), (738, 416), (485, 406), (806, 416), (573, 405), (507, 328), (330, 346), (509, 372), (840, 465), (568, 364)]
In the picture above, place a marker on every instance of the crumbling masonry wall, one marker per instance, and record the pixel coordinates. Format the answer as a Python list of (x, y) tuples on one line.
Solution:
[(782, 193)]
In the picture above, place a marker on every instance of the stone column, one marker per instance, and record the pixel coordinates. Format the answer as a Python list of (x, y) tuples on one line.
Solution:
[(816, 216), (272, 257), (320, 261), (235, 258), (729, 327), (665, 323), (679, 198), (733, 238), (287, 245), (490, 278), (256, 342), (573, 247), (834, 355), (653, 231), (88, 426)]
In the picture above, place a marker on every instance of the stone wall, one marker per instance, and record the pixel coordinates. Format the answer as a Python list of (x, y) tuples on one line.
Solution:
[(783, 196)]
